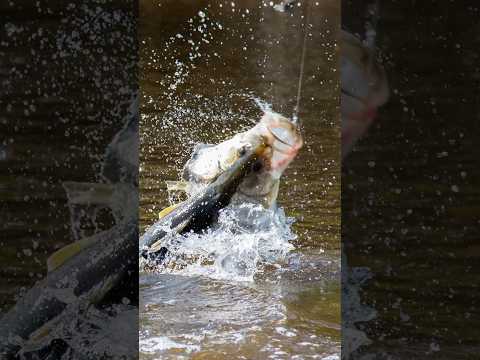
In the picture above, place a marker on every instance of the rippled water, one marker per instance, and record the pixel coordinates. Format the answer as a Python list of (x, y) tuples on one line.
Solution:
[(202, 68)]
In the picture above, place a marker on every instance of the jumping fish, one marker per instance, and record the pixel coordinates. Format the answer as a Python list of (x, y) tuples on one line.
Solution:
[(245, 168)]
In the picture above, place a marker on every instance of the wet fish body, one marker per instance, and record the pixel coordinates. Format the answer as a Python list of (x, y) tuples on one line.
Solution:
[(244, 169), (282, 141), (200, 210)]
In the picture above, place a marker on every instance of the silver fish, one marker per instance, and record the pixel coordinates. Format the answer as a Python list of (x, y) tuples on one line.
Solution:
[(245, 168)]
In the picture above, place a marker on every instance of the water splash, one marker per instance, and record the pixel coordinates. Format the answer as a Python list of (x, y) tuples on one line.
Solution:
[(246, 240), (262, 104), (266, 107), (295, 118)]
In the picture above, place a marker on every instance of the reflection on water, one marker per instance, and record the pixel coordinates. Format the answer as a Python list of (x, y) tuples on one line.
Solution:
[(202, 66)]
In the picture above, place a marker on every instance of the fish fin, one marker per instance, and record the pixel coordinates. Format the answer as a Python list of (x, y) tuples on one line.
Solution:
[(177, 186), (60, 256), (167, 210)]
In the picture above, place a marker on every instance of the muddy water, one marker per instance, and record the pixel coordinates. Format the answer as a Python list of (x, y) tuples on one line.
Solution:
[(201, 67)]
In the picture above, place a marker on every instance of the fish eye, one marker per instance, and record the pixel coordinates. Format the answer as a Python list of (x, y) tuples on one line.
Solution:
[(257, 166), (242, 151)]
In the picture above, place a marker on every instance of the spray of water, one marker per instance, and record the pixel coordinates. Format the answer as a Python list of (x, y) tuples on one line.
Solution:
[(246, 239), (262, 104)]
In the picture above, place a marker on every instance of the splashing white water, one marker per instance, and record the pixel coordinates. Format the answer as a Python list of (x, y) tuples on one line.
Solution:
[(263, 105), (162, 343), (246, 238)]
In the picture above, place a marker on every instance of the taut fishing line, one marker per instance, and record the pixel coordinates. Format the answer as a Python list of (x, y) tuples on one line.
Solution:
[(302, 64)]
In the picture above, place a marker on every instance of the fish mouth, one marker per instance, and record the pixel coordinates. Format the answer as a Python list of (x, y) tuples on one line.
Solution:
[(283, 135), (285, 141), (282, 130)]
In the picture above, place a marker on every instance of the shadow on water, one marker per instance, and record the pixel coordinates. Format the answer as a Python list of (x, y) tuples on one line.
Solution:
[(201, 67)]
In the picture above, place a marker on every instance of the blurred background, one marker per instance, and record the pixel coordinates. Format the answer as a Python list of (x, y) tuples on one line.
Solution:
[(410, 198)]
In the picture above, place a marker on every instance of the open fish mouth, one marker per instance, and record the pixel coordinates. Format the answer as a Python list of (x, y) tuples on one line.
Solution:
[(285, 148), (278, 137), (281, 134), (285, 141)]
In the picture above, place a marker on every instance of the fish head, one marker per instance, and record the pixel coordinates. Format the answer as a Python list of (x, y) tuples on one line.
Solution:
[(364, 88), (276, 141), (282, 140)]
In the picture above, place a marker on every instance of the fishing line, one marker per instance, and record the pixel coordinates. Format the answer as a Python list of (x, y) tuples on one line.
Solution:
[(302, 64)]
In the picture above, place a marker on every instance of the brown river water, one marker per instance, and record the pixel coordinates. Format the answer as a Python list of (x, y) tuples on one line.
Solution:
[(201, 67)]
